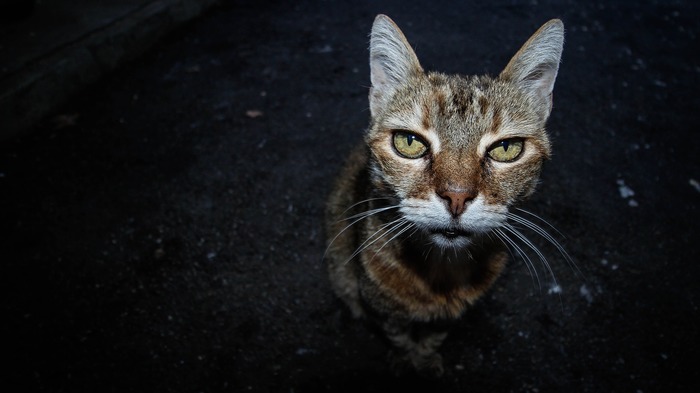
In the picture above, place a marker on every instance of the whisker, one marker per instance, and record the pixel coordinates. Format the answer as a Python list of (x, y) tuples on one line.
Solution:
[(365, 201), (534, 248), (541, 219), (427, 249), (359, 217), (368, 242), (369, 213), (407, 227), (526, 258), (540, 231)]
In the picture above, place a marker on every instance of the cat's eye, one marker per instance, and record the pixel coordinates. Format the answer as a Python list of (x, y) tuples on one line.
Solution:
[(409, 145), (506, 150)]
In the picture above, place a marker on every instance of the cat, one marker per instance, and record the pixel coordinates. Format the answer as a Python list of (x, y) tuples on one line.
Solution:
[(417, 220)]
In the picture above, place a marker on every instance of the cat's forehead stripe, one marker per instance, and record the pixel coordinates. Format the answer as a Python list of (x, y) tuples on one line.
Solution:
[(407, 119), (483, 104), (426, 115)]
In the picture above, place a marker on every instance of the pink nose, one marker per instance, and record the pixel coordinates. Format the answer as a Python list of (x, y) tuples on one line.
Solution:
[(457, 199)]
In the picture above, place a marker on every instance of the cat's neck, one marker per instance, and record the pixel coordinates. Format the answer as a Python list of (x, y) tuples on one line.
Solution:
[(442, 269)]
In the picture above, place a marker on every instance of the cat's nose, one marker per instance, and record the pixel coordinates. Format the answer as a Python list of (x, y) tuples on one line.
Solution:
[(457, 199)]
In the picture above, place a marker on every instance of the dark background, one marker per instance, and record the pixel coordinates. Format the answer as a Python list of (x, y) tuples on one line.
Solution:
[(163, 229)]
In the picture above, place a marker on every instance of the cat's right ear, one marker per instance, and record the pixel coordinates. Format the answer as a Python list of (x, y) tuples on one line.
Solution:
[(391, 60), (534, 68)]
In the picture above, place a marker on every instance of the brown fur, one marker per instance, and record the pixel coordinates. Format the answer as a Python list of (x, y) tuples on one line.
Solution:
[(429, 253)]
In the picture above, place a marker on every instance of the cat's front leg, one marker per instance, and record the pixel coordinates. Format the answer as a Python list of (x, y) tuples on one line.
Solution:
[(345, 285)]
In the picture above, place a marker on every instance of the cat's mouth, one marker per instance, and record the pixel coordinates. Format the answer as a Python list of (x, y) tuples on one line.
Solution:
[(452, 233), (451, 237)]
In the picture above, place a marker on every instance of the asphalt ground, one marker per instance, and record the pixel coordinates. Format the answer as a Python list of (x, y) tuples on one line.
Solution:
[(163, 230), (50, 50)]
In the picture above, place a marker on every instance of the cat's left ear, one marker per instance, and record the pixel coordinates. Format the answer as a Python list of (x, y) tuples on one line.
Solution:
[(534, 68), (392, 62)]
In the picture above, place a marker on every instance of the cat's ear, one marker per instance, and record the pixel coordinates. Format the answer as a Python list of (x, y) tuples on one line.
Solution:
[(392, 61), (534, 68)]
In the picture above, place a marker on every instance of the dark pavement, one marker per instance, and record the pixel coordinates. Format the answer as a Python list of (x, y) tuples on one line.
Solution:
[(50, 50), (162, 230)]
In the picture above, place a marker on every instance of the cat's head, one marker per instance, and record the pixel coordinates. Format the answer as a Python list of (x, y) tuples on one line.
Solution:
[(456, 152)]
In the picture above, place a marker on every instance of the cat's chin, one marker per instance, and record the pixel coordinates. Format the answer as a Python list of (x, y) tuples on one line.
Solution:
[(451, 238)]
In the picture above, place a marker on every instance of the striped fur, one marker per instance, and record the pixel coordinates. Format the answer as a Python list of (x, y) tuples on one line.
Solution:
[(415, 240)]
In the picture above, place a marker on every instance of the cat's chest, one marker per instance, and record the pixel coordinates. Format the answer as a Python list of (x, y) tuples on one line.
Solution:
[(427, 287)]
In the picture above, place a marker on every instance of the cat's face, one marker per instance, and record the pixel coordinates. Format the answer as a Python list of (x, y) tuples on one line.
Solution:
[(455, 153)]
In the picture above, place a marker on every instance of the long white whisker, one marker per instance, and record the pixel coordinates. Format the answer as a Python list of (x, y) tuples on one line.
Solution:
[(404, 229), (534, 248), (368, 213), (508, 243), (365, 201), (540, 231), (427, 249), (528, 243), (526, 259), (378, 235), (541, 219), (359, 217)]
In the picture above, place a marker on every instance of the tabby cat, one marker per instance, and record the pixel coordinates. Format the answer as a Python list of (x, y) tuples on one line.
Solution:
[(417, 221)]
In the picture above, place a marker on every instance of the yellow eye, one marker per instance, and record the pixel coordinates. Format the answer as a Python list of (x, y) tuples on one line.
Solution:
[(506, 150), (409, 145)]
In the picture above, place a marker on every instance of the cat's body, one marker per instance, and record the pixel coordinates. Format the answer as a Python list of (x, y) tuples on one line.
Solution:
[(416, 221)]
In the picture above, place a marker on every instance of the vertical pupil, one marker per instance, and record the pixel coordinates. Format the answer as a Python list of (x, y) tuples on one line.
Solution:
[(505, 145), (409, 139)]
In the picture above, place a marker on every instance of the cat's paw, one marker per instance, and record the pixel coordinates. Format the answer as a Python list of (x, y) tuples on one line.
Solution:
[(429, 366)]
